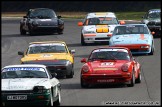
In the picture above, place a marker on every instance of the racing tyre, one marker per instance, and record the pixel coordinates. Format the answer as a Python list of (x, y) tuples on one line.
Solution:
[(132, 82), (138, 80), (60, 31), (83, 84), (51, 103), (22, 31), (152, 51), (58, 101), (71, 74), (82, 41)]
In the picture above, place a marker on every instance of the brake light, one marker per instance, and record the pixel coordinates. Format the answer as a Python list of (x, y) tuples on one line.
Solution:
[(124, 67)]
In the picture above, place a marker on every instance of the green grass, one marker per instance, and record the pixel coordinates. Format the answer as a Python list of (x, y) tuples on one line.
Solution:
[(81, 15), (130, 15)]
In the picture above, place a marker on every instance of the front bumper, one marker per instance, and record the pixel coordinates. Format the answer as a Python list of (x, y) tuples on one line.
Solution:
[(46, 28), (106, 79), (60, 70), (94, 38), (32, 99)]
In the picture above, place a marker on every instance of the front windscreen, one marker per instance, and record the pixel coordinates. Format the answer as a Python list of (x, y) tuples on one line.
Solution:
[(130, 29), (42, 13), (101, 20), (23, 72), (109, 55), (154, 14), (47, 48)]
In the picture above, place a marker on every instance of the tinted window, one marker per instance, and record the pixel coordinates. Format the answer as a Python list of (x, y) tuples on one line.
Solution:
[(154, 14), (130, 29), (42, 13), (101, 20), (22, 73), (47, 49), (109, 55)]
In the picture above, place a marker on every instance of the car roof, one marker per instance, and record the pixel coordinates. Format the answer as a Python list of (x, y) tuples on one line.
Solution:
[(131, 24), (46, 42), (39, 8), (112, 47), (25, 65), (155, 9), (101, 14)]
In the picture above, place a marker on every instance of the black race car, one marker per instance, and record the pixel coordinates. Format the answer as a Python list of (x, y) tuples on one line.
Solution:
[(153, 20), (41, 20)]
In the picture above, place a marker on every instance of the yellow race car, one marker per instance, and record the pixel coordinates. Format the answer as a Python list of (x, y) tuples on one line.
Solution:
[(54, 54)]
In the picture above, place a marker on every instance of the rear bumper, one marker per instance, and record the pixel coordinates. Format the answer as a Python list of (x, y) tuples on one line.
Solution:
[(136, 48)]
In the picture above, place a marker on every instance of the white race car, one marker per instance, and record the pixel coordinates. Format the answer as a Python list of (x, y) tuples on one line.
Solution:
[(98, 27), (29, 84)]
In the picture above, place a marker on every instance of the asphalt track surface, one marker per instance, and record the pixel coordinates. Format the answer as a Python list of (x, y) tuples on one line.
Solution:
[(147, 92)]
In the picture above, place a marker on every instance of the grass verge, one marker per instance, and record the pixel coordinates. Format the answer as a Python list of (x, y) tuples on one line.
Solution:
[(81, 15)]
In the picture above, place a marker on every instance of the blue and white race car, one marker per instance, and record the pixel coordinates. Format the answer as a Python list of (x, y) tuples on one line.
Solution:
[(136, 37)]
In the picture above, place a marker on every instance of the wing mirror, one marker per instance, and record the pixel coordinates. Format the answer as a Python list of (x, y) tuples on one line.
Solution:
[(122, 22), (25, 17), (80, 23), (72, 51), (58, 17), (83, 60), (54, 75), (20, 53), (152, 33)]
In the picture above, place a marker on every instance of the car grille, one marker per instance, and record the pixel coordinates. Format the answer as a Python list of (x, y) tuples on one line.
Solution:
[(102, 38), (18, 92), (56, 68), (154, 23)]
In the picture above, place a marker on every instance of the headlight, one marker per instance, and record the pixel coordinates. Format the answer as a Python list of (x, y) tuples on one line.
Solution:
[(124, 67), (34, 23), (85, 32), (40, 89), (85, 68), (60, 22), (145, 46), (68, 63)]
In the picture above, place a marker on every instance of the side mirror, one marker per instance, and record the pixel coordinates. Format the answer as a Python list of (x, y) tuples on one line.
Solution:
[(58, 17), (72, 51), (83, 60), (25, 17), (54, 75), (20, 53), (152, 33), (80, 23), (122, 22)]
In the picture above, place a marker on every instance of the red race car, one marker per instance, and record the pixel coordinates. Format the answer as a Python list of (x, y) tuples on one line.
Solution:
[(110, 65)]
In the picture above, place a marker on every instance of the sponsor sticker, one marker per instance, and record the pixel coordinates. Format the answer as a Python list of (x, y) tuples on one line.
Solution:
[(107, 63), (23, 68), (100, 50), (47, 44)]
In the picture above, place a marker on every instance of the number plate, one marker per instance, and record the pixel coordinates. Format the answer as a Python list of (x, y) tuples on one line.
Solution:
[(107, 80), (17, 97)]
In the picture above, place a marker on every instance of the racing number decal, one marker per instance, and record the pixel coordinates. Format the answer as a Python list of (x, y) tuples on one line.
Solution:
[(107, 63)]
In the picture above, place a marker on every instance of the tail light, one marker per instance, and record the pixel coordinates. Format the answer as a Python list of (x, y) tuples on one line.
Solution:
[(124, 67)]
